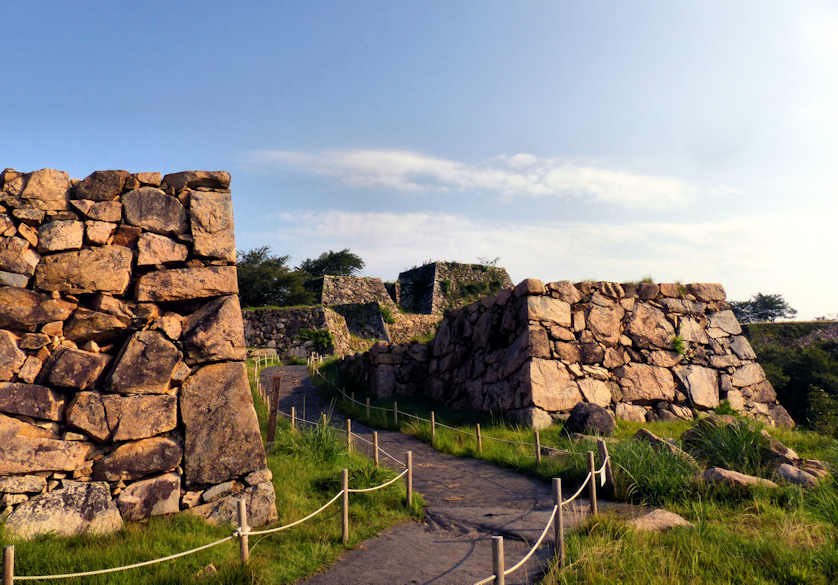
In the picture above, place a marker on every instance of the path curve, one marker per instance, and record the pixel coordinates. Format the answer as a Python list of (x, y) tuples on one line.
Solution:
[(467, 501)]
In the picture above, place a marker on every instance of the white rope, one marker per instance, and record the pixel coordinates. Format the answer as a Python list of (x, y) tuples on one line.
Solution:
[(579, 491), (378, 487), (488, 579), (297, 522), (604, 463), (537, 544), (123, 568)]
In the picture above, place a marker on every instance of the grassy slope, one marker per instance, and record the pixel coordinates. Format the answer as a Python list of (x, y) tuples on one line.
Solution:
[(306, 469)]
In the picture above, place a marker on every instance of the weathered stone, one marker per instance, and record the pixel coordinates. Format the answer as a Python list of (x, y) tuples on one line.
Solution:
[(606, 323), (28, 233), (664, 359), (109, 304), (691, 330), (30, 369), (719, 475), (780, 416), (138, 417), (565, 290), (29, 215), (795, 475), (701, 385), (630, 412), (11, 358), (22, 484), (592, 353), (647, 290), (815, 467), (86, 412), (13, 427), (648, 327), (152, 210), (590, 419), (107, 211), (658, 520), (682, 306), (139, 458), (261, 507), (31, 400), (34, 341), (221, 490), (215, 332), (707, 291), (172, 325), (643, 383), (748, 375), (60, 235), (13, 279), (16, 256), (27, 454), (7, 226), (26, 310), (86, 325), (99, 232), (552, 387), (529, 286), (735, 400), (73, 368), (595, 391), (99, 269), (531, 417), (187, 283), (190, 499), (222, 434), (145, 365), (543, 308), (260, 476), (614, 358), (152, 179), (722, 362), (101, 185), (661, 444), (211, 216), (47, 189), (76, 508), (197, 179), (150, 497), (726, 321), (742, 348), (157, 249), (126, 236), (672, 289)]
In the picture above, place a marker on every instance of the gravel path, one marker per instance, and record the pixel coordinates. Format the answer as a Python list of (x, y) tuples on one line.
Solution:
[(467, 501)]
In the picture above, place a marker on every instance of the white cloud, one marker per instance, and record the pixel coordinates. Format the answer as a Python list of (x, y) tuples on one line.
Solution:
[(506, 175), (746, 254)]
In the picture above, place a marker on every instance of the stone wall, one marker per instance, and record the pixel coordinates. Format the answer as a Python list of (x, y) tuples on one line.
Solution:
[(442, 286), (644, 351), (283, 329), (353, 290), (123, 390)]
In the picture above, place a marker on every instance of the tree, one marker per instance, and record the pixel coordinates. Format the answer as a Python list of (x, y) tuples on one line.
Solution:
[(341, 263), (265, 279), (762, 307)]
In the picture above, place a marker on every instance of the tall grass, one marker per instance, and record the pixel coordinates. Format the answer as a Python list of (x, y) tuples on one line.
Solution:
[(739, 446), (646, 475)]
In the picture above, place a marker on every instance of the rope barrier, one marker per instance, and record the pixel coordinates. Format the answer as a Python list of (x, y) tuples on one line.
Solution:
[(579, 491), (296, 522), (537, 544), (378, 487)]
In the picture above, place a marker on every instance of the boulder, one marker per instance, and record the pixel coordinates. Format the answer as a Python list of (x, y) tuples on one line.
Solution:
[(691, 330), (16, 256), (21, 453), (595, 391), (157, 249), (748, 375), (28, 233), (629, 412), (211, 218), (663, 358), (552, 387), (658, 520), (108, 211), (98, 269), (187, 283), (145, 364), (22, 484), (152, 210), (543, 308), (531, 417), (655, 441), (776, 452), (734, 478), (590, 419), (261, 507), (30, 369), (12, 279), (31, 400), (742, 348), (222, 437), (150, 497), (648, 327), (565, 290), (529, 286), (86, 412), (11, 358), (792, 474), (606, 323), (260, 476), (77, 369), (760, 392), (707, 291), (197, 179), (215, 332), (87, 325), (60, 235), (643, 384), (27, 310), (682, 306), (725, 321), (99, 232), (780, 417), (815, 467), (101, 185), (13, 427), (221, 490), (153, 178), (76, 508), (126, 236), (47, 190), (139, 458), (701, 385), (138, 417)]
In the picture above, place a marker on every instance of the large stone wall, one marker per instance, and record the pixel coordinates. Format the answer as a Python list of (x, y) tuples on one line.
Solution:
[(284, 329), (353, 290), (441, 286), (123, 390), (535, 351)]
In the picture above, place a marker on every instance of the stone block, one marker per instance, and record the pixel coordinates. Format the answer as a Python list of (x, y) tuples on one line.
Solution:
[(100, 269), (157, 249), (648, 327), (215, 332), (31, 400), (197, 179), (701, 385), (645, 384), (86, 412), (145, 365), (60, 235), (17, 257), (101, 185), (150, 497), (153, 210), (47, 190), (139, 417), (137, 459), (187, 283), (76, 369), (211, 218)]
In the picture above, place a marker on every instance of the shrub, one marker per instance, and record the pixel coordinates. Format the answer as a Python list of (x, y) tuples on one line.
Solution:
[(724, 407), (738, 445), (321, 338), (679, 345), (386, 314), (642, 474)]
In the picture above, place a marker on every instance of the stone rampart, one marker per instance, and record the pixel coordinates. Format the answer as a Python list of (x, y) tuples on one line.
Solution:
[(123, 390), (441, 286), (292, 331), (645, 351)]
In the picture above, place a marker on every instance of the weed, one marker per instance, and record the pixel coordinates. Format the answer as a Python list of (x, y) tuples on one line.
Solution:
[(738, 445), (679, 346)]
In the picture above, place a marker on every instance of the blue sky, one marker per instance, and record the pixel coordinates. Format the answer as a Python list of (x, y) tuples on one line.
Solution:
[(608, 140)]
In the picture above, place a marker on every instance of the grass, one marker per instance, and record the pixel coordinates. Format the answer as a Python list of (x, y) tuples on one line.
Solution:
[(306, 473)]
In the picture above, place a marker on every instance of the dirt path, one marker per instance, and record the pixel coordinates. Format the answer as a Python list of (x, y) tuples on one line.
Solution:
[(467, 501)]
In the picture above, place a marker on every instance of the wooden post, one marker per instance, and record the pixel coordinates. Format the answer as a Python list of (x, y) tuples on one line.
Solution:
[(368, 409), (244, 552), (323, 419), (497, 560), (345, 521), (591, 469), (277, 383), (409, 479), (433, 427), (537, 448), (375, 447), (396, 413), (558, 527), (349, 435), (353, 398), (9, 564), (602, 447), (293, 419), (479, 440)]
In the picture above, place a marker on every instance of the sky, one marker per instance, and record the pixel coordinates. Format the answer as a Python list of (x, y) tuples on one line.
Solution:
[(691, 141)]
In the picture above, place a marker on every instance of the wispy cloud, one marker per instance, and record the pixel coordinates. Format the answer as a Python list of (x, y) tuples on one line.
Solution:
[(506, 175)]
